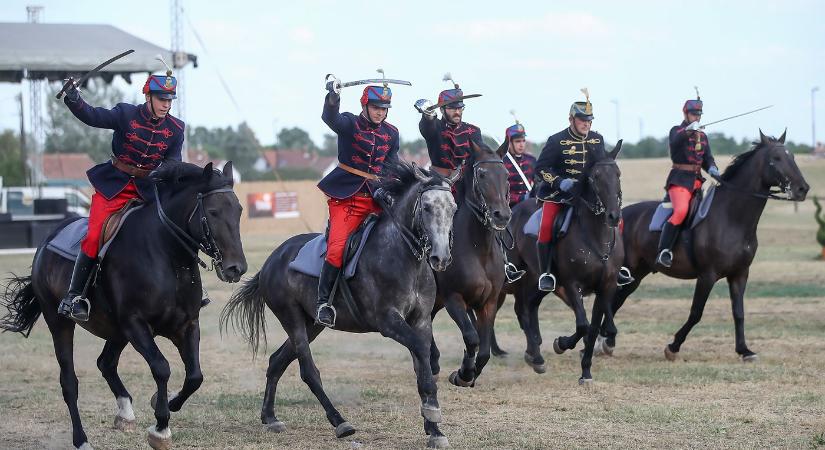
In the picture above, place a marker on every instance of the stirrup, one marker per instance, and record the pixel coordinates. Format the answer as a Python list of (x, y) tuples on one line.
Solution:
[(552, 279), (324, 307), (624, 277), (68, 311), (512, 272), (661, 258)]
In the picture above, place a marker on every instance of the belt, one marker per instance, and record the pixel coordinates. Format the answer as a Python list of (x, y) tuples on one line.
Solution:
[(129, 169), (695, 168), (355, 171)]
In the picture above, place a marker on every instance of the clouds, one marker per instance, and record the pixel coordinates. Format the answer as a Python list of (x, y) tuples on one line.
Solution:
[(578, 25)]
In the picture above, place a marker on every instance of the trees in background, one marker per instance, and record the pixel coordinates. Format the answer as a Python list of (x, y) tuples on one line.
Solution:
[(11, 159)]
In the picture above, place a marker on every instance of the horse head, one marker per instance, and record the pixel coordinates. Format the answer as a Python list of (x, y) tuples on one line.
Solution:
[(486, 189), (779, 167), (203, 204), (604, 182)]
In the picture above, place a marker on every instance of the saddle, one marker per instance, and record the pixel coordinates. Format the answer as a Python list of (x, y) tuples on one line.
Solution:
[(67, 242), (310, 257), (698, 210), (560, 226)]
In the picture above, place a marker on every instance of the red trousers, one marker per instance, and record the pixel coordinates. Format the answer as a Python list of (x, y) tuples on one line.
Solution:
[(549, 210), (344, 218), (99, 211), (680, 199)]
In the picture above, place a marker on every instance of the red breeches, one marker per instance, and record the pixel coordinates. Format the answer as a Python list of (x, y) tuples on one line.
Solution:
[(99, 211), (549, 210), (680, 199), (344, 218)]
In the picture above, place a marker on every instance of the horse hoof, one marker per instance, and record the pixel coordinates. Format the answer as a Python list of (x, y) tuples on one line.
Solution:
[(125, 425), (557, 348), (670, 355), (153, 402), (86, 446), (537, 367), (608, 350), (753, 357), (431, 413), (438, 442), (275, 427), (344, 430), (435, 378), (159, 440), (457, 381), (586, 382)]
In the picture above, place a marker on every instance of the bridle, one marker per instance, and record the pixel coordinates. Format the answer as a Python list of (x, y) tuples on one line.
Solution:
[(481, 209), (206, 243), (784, 192), (597, 207), (415, 236)]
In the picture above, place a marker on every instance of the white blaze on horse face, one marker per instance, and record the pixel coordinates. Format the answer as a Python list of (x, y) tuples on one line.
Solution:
[(124, 408), (437, 210)]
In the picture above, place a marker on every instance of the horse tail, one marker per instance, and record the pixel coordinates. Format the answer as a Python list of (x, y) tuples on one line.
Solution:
[(22, 305), (245, 313)]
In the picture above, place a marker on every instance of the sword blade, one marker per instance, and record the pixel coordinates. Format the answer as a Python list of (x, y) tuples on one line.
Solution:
[(93, 71), (737, 115), (375, 80)]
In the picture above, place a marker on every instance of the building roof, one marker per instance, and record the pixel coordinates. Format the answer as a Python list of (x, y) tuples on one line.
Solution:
[(55, 51), (66, 166)]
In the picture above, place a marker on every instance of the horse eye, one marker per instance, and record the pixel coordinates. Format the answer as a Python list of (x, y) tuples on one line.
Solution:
[(212, 211), (428, 208)]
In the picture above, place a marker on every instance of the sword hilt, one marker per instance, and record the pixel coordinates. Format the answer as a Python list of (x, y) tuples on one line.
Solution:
[(69, 83)]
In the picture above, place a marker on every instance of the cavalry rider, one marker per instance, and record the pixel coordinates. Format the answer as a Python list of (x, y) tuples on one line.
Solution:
[(561, 167), (448, 139), (144, 136), (520, 164), (365, 143), (690, 153)]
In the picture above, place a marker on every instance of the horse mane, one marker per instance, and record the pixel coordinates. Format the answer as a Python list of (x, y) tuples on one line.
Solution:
[(739, 160), (399, 175), (178, 173)]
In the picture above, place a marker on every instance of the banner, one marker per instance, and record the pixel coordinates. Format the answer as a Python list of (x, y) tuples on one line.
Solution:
[(280, 205)]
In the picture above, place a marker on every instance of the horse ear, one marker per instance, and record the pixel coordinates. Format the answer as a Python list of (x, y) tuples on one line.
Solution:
[(782, 138), (502, 149), (762, 138), (208, 171), (616, 150), (227, 171)]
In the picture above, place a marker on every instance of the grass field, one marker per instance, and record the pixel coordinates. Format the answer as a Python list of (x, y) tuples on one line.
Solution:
[(707, 399)]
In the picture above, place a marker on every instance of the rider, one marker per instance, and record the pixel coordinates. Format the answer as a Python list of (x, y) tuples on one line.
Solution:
[(561, 166), (144, 136), (365, 143), (448, 139), (690, 152), (520, 164)]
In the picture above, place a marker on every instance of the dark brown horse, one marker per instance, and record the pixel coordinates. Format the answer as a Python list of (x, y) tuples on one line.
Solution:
[(587, 261), (148, 285), (723, 245), (471, 284)]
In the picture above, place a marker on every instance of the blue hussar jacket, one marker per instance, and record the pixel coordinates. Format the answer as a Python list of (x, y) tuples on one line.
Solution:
[(138, 140), (362, 145)]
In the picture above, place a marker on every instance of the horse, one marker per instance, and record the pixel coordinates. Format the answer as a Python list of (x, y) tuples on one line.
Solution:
[(393, 291), (723, 245), (469, 290), (147, 285), (588, 259)]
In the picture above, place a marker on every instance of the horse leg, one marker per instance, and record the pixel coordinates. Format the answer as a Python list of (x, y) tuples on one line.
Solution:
[(62, 331), (140, 336), (494, 347), (465, 376), (704, 284), (107, 363), (608, 329), (736, 286), (600, 309), (435, 354), (564, 343), (278, 363), (189, 350), (533, 356), (417, 341), (312, 377), (484, 327)]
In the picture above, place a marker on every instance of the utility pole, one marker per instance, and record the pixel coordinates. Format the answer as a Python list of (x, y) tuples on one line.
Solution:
[(35, 111), (641, 129), (813, 119), (179, 60), (24, 158)]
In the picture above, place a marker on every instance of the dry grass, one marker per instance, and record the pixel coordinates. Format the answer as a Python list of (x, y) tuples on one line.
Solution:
[(707, 399)]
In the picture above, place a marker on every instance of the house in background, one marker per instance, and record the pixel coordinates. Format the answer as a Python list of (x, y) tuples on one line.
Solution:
[(200, 158), (67, 169), (293, 160)]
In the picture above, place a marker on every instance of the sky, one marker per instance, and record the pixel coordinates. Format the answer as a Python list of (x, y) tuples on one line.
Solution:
[(639, 59)]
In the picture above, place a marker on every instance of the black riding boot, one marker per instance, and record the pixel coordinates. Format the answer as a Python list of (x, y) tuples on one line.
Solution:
[(666, 241), (325, 313), (73, 306), (547, 281)]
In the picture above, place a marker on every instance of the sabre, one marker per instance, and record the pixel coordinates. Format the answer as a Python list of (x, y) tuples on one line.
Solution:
[(90, 73), (738, 115), (334, 84)]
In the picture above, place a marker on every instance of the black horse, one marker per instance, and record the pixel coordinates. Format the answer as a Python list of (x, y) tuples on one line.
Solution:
[(723, 245), (393, 293), (469, 289), (588, 259), (148, 285)]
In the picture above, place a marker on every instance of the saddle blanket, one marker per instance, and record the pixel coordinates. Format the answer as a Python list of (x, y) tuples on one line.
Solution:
[(531, 227), (310, 258), (67, 242), (665, 209)]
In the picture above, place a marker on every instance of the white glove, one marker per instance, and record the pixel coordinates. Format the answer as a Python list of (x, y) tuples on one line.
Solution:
[(422, 105), (694, 126)]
